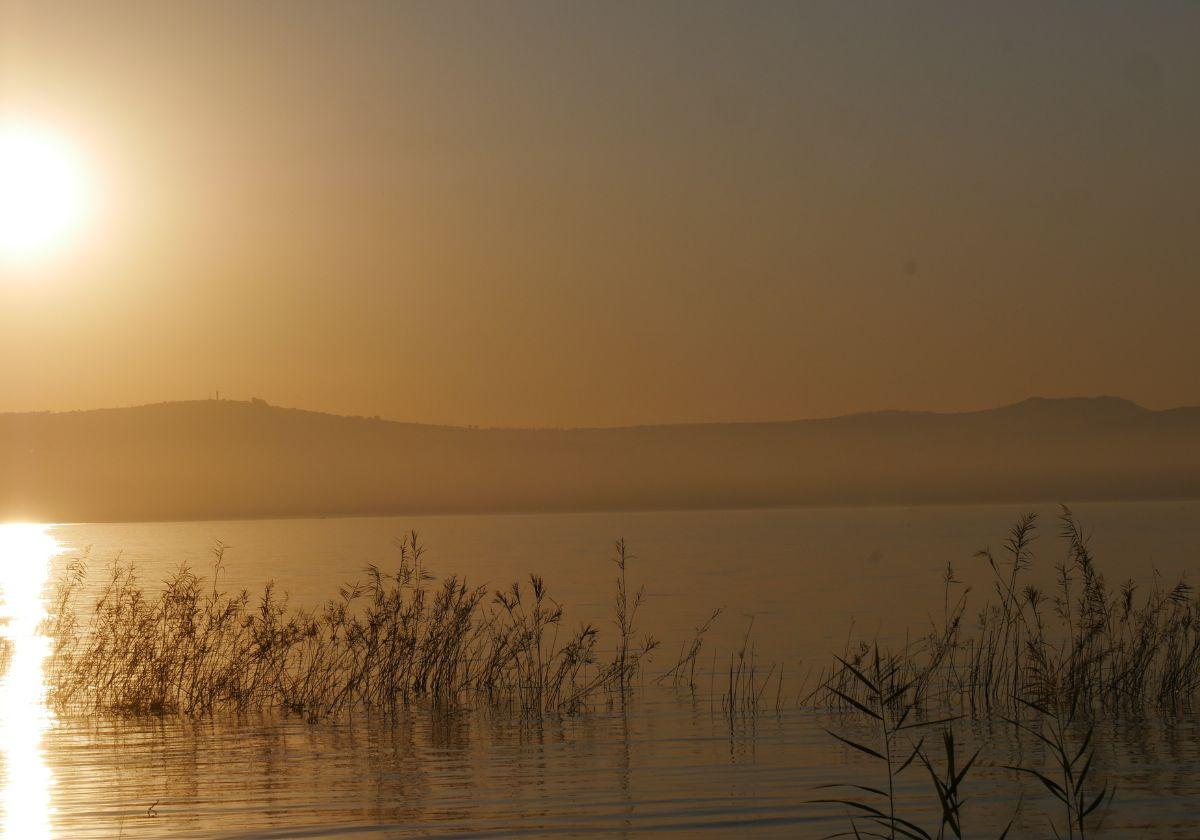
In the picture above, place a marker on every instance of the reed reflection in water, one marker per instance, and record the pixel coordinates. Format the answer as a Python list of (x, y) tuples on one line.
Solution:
[(25, 555)]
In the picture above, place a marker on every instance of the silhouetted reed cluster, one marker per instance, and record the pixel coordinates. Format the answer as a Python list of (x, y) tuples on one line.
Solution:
[(192, 648), (876, 810), (1083, 645), (1045, 662)]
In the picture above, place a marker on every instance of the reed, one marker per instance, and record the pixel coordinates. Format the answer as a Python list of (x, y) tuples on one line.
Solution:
[(1071, 763), (683, 672), (1059, 658), (745, 689), (873, 811), (892, 708), (191, 648), (1083, 646)]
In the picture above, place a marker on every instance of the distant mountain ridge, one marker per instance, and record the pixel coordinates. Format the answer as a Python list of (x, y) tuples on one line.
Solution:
[(228, 459)]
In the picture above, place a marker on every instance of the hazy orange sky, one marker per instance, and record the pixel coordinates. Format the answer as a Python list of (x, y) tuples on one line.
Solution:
[(606, 213)]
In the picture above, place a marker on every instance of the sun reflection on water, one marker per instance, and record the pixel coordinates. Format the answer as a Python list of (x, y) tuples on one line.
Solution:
[(25, 554)]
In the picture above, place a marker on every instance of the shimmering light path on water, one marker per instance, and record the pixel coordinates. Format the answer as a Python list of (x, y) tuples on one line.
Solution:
[(25, 555)]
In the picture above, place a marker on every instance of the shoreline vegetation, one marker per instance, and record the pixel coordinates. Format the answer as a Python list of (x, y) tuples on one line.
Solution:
[(194, 649), (191, 647), (1043, 660)]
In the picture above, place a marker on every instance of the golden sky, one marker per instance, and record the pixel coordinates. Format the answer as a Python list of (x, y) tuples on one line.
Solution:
[(554, 214)]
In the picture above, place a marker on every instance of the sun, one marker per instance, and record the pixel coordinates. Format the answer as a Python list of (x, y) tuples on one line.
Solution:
[(43, 196)]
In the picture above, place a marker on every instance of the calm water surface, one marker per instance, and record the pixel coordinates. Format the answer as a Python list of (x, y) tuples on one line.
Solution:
[(667, 762)]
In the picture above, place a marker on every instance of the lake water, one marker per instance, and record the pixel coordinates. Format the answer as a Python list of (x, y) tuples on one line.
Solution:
[(667, 762)]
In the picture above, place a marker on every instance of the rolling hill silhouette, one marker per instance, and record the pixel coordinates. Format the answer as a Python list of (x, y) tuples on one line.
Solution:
[(228, 459)]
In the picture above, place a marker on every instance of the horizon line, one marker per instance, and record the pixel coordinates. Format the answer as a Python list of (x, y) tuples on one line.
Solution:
[(262, 403)]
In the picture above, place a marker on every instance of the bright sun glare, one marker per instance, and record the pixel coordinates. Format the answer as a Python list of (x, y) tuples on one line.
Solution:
[(42, 192)]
